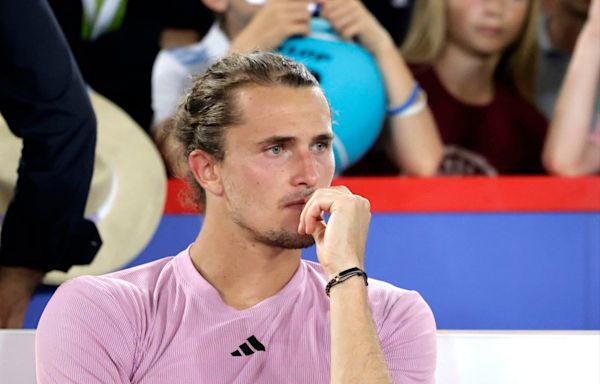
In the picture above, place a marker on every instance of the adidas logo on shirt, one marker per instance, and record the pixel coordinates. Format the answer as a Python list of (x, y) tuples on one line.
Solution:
[(246, 349)]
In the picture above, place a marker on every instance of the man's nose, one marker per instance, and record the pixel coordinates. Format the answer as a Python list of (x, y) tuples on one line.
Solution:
[(307, 172)]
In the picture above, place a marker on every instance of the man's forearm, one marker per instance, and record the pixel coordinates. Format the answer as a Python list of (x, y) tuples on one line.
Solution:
[(356, 355)]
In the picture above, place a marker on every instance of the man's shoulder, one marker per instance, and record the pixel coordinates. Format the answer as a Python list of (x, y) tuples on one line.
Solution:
[(124, 285), (120, 298)]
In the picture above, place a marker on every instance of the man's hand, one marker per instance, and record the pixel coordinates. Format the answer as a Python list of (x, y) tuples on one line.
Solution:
[(351, 19), (275, 22), (341, 245), (341, 242), (16, 287)]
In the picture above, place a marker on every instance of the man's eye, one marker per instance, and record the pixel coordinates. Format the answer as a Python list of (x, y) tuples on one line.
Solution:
[(320, 147), (275, 150)]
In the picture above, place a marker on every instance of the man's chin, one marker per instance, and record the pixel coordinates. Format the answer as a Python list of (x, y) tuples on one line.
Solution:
[(281, 238), (287, 240)]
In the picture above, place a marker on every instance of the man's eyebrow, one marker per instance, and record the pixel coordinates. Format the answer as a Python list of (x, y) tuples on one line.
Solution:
[(324, 137), (288, 139), (276, 140)]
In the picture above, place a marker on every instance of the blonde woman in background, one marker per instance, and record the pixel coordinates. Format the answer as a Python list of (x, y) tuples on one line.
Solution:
[(570, 150), (476, 60)]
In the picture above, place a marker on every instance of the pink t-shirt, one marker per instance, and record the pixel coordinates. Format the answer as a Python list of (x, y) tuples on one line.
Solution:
[(163, 323)]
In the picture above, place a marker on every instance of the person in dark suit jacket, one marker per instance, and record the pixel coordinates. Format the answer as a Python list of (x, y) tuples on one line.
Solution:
[(44, 101)]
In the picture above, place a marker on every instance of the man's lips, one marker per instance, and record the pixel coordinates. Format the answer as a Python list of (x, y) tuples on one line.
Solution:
[(298, 200), (297, 204)]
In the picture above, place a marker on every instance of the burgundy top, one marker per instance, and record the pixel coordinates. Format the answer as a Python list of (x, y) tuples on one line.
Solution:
[(508, 132)]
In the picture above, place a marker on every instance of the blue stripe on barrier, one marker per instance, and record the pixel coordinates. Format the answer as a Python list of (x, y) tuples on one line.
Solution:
[(477, 271)]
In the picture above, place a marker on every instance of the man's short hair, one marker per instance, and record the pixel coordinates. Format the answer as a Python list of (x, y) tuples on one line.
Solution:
[(209, 108)]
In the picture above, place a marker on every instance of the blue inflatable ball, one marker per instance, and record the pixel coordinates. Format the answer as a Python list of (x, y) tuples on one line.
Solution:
[(352, 83)]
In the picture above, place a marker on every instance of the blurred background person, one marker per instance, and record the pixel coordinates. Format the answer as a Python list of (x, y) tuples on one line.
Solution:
[(115, 43), (570, 148), (478, 66), (412, 130), (241, 26), (476, 61), (244, 26)]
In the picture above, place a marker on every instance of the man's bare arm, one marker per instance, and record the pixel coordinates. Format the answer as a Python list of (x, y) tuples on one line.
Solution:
[(356, 355)]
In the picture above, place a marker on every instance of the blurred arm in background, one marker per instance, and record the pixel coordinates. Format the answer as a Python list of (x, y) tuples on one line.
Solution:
[(569, 149)]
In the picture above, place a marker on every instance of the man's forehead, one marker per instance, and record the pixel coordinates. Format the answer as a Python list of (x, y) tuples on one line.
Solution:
[(266, 113), (251, 90), (263, 103)]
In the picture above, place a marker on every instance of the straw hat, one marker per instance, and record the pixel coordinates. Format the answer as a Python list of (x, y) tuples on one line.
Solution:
[(127, 195)]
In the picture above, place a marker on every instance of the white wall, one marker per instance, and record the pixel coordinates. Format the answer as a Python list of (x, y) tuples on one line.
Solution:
[(464, 357)]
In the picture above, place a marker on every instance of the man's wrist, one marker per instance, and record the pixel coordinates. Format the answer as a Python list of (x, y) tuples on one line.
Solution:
[(352, 290), (345, 275), (341, 261)]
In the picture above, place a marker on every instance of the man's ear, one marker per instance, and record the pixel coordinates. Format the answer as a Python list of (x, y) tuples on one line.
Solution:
[(217, 6), (204, 167)]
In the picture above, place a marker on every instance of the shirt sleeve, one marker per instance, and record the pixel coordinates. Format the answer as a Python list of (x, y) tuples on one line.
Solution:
[(409, 339), (84, 336)]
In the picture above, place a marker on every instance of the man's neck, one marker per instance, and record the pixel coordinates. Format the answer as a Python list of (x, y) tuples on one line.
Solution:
[(563, 27), (466, 76), (242, 270)]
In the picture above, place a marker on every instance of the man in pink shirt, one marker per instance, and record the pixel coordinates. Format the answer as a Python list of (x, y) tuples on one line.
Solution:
[(239, 305)]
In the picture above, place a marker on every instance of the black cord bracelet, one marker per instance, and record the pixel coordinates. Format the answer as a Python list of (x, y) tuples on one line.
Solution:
[(345, 275)]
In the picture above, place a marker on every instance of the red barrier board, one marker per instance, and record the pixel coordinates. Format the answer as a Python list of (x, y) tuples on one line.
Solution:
[(456, 194)]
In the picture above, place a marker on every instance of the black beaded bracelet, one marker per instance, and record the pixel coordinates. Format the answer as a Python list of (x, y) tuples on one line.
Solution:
[(345, 275)]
